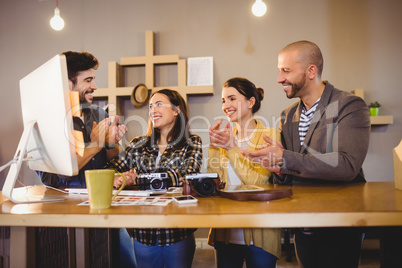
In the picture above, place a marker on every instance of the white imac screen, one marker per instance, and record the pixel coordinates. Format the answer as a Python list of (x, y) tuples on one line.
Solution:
[(45, 99)]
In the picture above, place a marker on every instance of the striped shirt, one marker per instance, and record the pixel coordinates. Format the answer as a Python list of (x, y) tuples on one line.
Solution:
[(177, 162), (305, 120)]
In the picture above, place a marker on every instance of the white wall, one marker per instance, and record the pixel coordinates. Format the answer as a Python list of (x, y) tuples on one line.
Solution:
[(360, 41)]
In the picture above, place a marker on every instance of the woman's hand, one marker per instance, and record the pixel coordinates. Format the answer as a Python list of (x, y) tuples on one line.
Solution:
[(222, 138), (131, 176)]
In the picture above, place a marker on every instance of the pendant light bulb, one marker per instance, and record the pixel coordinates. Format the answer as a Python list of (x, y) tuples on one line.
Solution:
[(259, 8), (57, 23)]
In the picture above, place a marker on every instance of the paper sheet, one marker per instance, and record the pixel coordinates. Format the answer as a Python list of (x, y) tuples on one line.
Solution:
[(200, 71)]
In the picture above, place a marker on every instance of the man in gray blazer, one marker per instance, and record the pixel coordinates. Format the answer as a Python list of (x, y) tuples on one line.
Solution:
[(325, 138)]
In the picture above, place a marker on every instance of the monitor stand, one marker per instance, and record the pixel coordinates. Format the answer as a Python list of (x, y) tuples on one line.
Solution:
[(12, 176)]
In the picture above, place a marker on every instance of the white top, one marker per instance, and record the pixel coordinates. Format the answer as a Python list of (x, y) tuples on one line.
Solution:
[(158, 158)]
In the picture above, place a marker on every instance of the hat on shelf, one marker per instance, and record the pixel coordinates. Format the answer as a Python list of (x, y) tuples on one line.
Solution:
[(140, 95)]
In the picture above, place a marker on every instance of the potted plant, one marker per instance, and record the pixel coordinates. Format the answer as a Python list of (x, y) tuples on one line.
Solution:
[(374, 108)]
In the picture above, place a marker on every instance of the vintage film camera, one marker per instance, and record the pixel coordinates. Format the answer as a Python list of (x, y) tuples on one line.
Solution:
[(153, 181), (202, 184)]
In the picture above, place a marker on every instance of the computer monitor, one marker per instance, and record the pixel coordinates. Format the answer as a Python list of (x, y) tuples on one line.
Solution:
[(47, 142)]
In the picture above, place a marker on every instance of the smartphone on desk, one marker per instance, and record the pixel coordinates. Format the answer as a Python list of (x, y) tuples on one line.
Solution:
[(185, 199)]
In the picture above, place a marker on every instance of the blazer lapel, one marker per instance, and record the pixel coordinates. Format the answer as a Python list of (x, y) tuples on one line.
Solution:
[(295, 127), (318, 115)]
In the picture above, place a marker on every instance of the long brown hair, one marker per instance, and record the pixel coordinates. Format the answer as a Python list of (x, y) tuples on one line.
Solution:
[(180, 131)]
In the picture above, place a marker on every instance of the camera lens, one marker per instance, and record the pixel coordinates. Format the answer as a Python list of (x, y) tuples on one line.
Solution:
[(206, 187), (156, 184)]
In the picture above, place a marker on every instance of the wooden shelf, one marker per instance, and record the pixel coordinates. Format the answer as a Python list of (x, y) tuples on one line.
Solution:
[(382, 120), (375, 120)]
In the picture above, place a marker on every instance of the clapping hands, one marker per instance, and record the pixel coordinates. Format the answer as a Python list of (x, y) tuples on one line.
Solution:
[(106, 133), (222, 138), (269, 155), (115, 132)]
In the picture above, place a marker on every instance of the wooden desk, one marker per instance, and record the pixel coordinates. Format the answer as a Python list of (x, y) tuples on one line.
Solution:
[(364, 204)]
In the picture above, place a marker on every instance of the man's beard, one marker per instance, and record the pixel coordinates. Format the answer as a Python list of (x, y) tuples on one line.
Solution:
[(83, 99), (296, 87)]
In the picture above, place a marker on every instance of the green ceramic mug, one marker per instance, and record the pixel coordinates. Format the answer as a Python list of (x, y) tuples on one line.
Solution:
[(100, 187)]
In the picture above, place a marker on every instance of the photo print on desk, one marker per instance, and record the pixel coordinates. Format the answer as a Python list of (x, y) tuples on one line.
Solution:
[(136, 201)]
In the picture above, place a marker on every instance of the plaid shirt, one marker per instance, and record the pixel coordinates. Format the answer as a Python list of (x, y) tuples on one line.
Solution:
[(141, 156)]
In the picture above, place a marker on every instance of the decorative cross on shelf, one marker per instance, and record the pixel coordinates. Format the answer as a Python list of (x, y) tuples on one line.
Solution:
[(116, 88)]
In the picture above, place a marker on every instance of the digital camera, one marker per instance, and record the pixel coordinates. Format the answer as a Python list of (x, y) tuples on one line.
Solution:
[(202, 184), (152, 181)]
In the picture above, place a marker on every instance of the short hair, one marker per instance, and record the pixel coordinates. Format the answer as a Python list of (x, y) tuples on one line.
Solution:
[(181, 130), (79, 61), (309, 52), (247, 89)]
